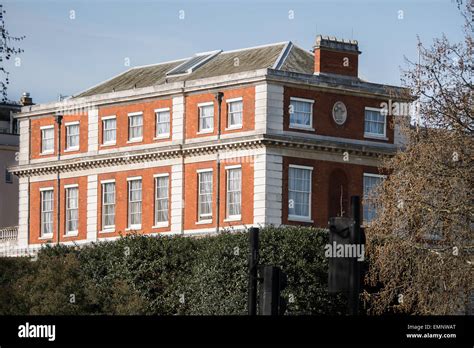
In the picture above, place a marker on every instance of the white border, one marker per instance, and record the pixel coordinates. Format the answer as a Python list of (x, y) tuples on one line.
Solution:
[(298, 217), (299, 126), (376, 135), (232, 100)]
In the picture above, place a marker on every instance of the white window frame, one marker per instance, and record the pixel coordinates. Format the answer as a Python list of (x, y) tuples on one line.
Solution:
[(161, 223), (42, 129), (8, 177), (376, 135), (228, 216), (205, 218), (163, 135), (42, 211), (207, 130), (104, 119), (72, 148), (380, 176), (129, 116), (108, 228), (134, 226), (298, 217), (300, 126), (229, 102), (67, 232)]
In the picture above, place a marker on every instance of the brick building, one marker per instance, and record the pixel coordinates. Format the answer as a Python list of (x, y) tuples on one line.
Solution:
[(266, 135)]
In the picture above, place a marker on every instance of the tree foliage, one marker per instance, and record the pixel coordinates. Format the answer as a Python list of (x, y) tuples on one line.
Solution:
[(7, 50), (421, 244)]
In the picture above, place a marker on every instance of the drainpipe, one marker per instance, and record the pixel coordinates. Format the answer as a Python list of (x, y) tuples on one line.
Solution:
[(182, 160), (59, 119), (218, 96)]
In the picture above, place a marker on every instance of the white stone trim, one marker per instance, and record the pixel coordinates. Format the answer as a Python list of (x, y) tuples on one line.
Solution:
[(108, 181), (131, 178), (204, 170), (232, 100), (302, 100), (93, 131), (268, 181), (92, 204), (301, 167), (375, 175), (205, 104), (161, 110), (135, 113), (25, 138), (49, 188), (23, 212), (177, 117), (237, 166), (177, 204), (269, 108)]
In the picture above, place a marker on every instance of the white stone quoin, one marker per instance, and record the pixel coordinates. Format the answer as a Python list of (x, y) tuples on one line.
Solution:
[(93, 131), (92, 202), (268, 176), (177, 175)]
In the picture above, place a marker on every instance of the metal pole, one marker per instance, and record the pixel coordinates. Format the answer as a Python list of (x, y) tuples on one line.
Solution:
[(253, 267), (59, 119)]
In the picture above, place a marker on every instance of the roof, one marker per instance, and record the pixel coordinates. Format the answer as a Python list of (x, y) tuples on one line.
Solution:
[(6, 108), (281, 56)]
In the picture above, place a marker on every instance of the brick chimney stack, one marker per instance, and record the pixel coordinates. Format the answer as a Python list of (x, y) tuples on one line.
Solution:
[(26, 99), (333, 56)]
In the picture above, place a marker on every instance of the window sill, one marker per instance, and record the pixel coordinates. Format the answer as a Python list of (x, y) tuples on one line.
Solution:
[(107, 144), (233, 128), (311, 129), (71, 149), (136, 140), (210, 131), (108, 230), (71, 234), (47, 153), (300, 219), (204, 222), (233, 218), (134, 227), (161, 225), (375, 136), (46, 237), (162, 136)]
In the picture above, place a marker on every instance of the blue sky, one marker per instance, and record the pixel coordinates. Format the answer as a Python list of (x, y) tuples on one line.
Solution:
[(65, 55)]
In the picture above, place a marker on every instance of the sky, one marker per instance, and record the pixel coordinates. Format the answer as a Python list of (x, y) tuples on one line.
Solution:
[(73, 45)]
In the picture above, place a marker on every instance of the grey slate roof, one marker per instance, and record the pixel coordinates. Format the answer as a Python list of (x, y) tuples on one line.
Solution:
[(222, 64), (283, 58)]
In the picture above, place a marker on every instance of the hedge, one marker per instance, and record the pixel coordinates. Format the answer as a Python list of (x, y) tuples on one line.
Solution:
[(167, 275)]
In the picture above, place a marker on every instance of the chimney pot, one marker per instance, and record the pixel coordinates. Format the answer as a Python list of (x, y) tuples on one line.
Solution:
[(336, 56), (26, 99)]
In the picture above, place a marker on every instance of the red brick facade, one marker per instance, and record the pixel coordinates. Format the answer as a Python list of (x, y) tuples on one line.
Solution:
[(264, 155), (323, 122)]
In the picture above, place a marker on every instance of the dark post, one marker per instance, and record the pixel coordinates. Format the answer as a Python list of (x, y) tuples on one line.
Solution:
[(274, 281), (253, 268), (355, 238)]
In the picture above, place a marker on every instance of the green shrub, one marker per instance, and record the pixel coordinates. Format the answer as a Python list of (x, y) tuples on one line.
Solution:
[(168, 275)]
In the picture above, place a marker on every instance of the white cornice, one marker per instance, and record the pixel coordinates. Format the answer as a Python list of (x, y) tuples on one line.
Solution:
[(178, 151)]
